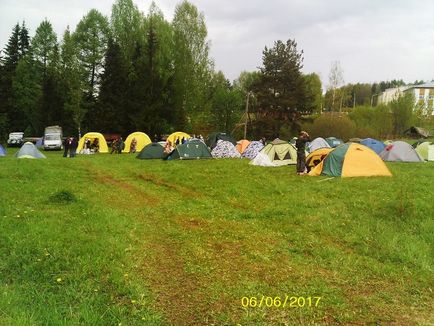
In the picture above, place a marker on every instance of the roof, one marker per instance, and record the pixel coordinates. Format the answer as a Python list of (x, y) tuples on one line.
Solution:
[(426, 85)]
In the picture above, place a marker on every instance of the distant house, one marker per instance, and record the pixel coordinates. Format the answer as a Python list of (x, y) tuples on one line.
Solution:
[(423, 95)]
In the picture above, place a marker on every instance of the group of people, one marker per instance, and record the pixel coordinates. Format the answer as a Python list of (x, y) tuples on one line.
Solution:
[(118, 145), (70, 147)]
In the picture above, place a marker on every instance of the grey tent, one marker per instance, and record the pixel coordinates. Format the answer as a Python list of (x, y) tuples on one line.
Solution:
[(400, 151), (317, 143), (29, 150)]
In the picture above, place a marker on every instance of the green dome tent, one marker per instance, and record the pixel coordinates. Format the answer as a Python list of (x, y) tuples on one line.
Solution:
[(280, 152), (151, 151), (190, 150)]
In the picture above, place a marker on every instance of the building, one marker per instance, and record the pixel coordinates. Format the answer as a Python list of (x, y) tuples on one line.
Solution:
[(423, 95)]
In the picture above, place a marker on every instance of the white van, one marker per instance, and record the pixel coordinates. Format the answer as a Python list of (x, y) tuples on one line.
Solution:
[(53, 138)]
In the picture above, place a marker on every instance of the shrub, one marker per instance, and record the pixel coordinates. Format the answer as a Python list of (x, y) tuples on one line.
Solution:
[(332, 125), (63, 197)]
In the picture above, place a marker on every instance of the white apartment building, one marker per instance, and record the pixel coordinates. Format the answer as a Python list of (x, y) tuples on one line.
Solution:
[(423, 95)]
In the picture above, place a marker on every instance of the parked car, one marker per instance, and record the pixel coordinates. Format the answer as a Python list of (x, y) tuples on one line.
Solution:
[(16, 139)]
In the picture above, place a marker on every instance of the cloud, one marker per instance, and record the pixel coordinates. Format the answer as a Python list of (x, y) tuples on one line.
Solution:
[(373, 40)]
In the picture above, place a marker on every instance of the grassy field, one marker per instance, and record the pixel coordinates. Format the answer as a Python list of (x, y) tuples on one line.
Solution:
[(110, 240)]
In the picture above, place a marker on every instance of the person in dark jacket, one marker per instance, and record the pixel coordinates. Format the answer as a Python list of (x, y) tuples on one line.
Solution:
[(66, 147), (300, 144), (74, 145)]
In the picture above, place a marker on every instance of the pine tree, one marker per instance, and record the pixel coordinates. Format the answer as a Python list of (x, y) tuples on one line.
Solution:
[(110, 115), (11, 120), (24, 40)]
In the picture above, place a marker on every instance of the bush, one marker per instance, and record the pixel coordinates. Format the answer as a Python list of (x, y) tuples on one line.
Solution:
[(374, 122), (332, 125), (63, 197)]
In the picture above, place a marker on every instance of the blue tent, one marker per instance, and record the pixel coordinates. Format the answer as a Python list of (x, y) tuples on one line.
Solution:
[(334, 142), (376, 145), (2, 151)]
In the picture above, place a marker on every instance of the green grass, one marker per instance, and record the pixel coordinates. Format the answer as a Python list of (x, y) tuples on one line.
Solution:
[(108, 239)]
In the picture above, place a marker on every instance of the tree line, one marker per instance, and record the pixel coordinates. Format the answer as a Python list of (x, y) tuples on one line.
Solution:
[(135, 71), (132, 71)]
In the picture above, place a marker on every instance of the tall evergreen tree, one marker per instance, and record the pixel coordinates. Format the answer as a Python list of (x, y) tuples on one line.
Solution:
[(10, 118), (110, 115), (24, 40), (280, 90)]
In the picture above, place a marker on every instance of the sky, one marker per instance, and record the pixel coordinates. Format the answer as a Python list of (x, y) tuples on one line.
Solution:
[(373, 40)]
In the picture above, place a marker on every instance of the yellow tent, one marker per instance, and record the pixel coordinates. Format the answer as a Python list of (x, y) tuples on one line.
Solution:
[(142, 141), (92, 136), (177, 136), (242, 145), (351, 160), (316, 157)]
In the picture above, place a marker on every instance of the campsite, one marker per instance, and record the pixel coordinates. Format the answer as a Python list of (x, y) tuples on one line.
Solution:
[(110, 239), (216, 163)]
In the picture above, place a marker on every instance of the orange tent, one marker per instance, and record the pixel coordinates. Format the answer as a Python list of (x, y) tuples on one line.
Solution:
[(242, 145)]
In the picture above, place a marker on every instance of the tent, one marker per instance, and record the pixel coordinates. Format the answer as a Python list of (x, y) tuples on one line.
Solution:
[(225, 149), (262, 160), (334, 142), (92, 136), (242, 145), (355, 140), (426, 151), (212, 139), (417, 132), (316, 144), (253, 149), (400, 151), (151, 151), (141, 138), (376, 145), (351, 160), (29, 150), (280, 152), (194, 149), (414, 145), (314, 158), (2, 151), (177, 136)]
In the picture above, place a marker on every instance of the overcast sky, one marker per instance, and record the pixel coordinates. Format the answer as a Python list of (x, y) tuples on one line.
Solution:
[(373, 40)]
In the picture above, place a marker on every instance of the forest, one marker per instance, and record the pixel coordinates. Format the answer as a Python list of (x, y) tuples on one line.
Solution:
[(138, 71)]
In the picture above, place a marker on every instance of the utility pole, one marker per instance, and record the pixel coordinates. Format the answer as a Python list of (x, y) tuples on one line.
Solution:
[(246, 113)]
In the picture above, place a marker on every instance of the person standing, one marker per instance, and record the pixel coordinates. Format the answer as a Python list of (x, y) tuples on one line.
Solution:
[(133, 145), (300, 144), (74, 145), (120, 145), (66, 146)]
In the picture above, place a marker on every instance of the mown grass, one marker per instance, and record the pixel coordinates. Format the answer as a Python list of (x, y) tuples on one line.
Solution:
[(107, 239)]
